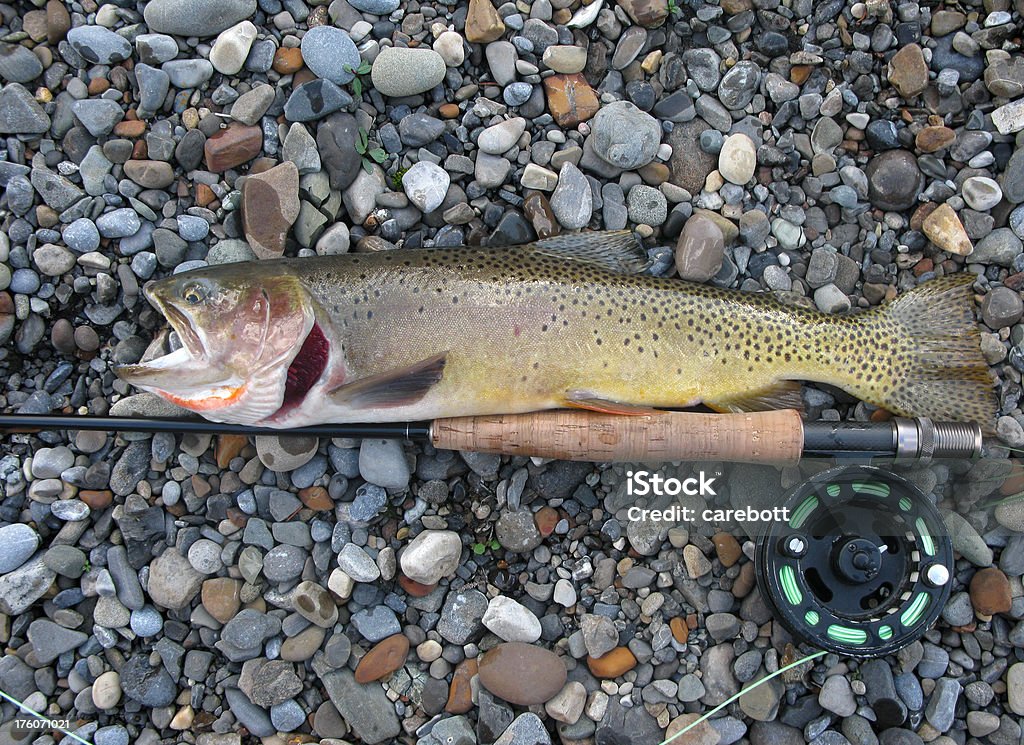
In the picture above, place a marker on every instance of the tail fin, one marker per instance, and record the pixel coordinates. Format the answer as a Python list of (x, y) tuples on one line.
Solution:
[(938, 370)]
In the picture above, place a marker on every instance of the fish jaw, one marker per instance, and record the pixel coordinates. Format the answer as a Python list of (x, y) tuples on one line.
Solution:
[(256, 355)]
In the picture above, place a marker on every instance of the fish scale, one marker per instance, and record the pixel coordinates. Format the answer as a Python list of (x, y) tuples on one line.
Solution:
[(570, 322)]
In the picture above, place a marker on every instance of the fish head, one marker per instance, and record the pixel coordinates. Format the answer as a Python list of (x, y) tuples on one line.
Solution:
[(240, 330)]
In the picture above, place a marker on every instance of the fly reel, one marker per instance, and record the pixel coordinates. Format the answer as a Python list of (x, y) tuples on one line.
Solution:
[(862, 567)]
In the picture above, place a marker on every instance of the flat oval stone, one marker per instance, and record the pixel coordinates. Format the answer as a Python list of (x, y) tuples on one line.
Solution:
[(385, 657), (196, 17), (522, 674), (400, 71)]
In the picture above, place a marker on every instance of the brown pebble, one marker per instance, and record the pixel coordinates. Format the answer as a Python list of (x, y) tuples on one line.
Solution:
[(316, 498), (98, 86), (414, 588), (654, 173), (460, 693), (62, 336), (96, 499), (228, 448), (58, 21), (287, 60), (727, 548), (570, 99), (221, 597), (930, 139), (87, 339), (908, 72), (386, 656), (449, 110), (679, 630), (522, 674), (204, 195), (745, 582), (129, 128), (232, 146), (546, 518), (538, 211), (799, 73), (990, 592), (613, 664)]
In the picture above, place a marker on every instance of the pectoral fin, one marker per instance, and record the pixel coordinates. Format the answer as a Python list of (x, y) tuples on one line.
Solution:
[(590, 402), (783, 395), (400, 387)]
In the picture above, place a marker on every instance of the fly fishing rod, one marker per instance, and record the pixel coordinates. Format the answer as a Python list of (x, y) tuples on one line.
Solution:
[(777, 437), (861, 566)]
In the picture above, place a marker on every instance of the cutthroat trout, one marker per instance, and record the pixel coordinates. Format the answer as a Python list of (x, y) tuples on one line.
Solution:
[(564, 322)]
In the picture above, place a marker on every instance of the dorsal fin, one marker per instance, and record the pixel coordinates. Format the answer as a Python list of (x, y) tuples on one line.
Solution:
[(614, 250)]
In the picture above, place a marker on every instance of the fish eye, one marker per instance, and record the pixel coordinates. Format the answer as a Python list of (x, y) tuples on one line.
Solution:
[(194, 294)]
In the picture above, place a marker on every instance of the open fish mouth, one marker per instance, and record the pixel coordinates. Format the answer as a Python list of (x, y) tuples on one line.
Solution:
[(190, 338)]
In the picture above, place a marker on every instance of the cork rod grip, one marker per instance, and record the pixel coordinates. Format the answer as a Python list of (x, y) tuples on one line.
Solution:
[(759, 437)]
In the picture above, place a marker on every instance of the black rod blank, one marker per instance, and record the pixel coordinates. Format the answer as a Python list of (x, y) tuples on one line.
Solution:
[(36, 422)]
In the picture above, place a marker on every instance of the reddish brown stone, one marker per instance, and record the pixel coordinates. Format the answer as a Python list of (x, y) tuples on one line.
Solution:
[(727, 548), (232, 146), (228, 448), (130, 128), (270, 205), (97, 500), (460, 694), (990, 592), (287, 60), (316, 498), (204, 195), (680, 632), (613, 664), (98, 86), (545, 519), (522, 674), (386, 656), (449, 110), (221, 597), (414, 588), (571, 100), (930, 139)]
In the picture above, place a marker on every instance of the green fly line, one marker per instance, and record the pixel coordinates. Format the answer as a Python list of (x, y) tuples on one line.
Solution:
[(735, 696), (36, 714), (874, 488)]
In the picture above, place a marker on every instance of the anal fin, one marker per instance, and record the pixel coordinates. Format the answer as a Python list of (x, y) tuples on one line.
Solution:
[(782, 395), (400, 387), (590, 402)]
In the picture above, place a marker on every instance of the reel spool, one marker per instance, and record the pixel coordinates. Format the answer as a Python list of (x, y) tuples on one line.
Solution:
[(862, 568)]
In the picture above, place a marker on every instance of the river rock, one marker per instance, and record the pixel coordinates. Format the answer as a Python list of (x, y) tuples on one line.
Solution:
[(431, 556), (401, 71), (894, 180), (196, 17), (624, 136), (270, 206), (330, 53), (522, 674)]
